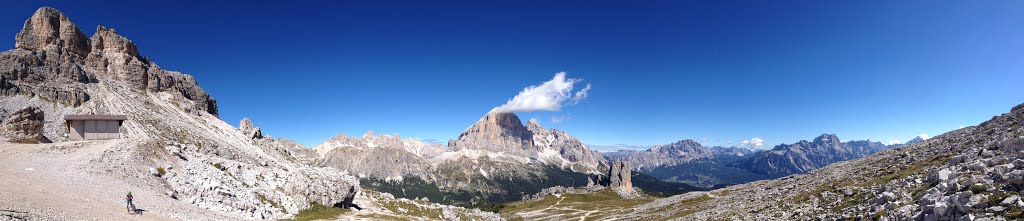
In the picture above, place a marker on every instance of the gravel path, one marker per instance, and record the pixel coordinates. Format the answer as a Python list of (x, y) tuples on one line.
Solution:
[(50, 182)]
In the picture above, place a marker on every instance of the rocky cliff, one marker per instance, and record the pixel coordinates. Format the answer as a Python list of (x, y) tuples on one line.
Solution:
[(619, 177), (24, 126), (174, 142), (53, 60), (503, 132)]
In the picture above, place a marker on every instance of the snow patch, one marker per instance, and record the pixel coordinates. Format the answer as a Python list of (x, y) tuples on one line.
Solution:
[(482, 172)]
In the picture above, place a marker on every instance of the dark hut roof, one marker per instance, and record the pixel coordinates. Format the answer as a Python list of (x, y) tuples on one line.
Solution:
[(95, 117)]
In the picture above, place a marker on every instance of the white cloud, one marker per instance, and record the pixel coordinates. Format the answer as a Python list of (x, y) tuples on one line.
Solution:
[(961, 126), (580, 95), (559, 119), (549, 96), (923, 136), (891, 142), (756, 142)]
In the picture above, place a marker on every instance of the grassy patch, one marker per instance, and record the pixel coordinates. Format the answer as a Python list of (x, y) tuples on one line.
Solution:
[(410, 209), (319, 212), (602, 203), (909, 170), (271, 202), (687, 206)]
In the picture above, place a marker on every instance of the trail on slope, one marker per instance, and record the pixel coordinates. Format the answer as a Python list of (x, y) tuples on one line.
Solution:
[(53, 181)]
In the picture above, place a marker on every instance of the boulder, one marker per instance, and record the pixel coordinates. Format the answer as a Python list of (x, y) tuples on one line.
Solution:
[(962, 201), (1019, 163), (937, 176), (24, 126), (326, 186), (1016, 177), (1011, 200)]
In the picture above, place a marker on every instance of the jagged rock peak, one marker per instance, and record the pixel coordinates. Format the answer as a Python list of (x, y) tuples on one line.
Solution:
[(677, 144), (827, 139), (498, 124), (108, 41), (916, 139), (534, 124), (49, 27)]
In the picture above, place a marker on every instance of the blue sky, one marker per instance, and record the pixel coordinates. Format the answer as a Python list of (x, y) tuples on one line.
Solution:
[(715, 71)]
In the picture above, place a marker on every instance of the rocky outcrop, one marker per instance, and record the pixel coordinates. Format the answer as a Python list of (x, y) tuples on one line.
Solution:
[(314, 185), (116, 58), (247, 129), (24, 126), (178, 145), (55, 61), (47, 60), (620, 176), (50, 29), (559, 148), (504, 132), (499, 131)]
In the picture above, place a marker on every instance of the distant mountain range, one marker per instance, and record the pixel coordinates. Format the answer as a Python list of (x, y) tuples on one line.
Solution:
[(804, 156), (687, 161), (496, 159)]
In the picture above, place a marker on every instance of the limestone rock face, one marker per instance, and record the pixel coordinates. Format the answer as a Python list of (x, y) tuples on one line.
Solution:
[(116, 58), (24, 126), (189, 96), (504, 132), (619, 176), (50, 28), (501, 131), (313, 185), (55, 61), (47, 60), (250, 131)]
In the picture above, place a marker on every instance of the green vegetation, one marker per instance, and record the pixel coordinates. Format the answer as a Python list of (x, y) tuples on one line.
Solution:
[(597, 205), (271, 202), (978, 188), (161, 171), (688, 207), (514, 188), (909, 170), (218, 166), (318, 212), (707, 173), (655, 187), (410, 209)]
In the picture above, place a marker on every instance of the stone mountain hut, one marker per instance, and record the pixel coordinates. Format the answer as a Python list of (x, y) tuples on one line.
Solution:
[(94, 127)]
